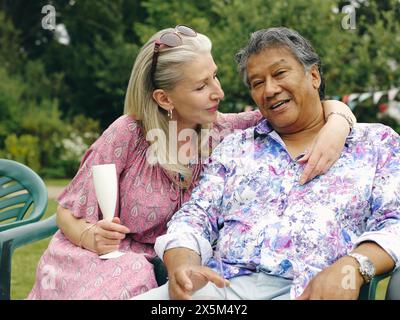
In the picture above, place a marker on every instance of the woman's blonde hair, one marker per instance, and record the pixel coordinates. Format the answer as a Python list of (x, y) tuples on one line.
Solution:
[(139, 101)]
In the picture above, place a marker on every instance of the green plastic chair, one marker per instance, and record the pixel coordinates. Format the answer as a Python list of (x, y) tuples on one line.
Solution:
[(393, 290), (23, 201), (368, 292), (21, 190)]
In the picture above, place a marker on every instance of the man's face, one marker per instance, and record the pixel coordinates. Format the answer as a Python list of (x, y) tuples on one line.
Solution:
[(284, 92)]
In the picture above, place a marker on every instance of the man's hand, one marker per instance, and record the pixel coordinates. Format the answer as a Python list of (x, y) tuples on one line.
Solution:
[(340, 281), (188, 278)]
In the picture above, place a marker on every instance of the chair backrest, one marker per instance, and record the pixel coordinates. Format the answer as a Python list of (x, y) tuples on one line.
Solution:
[(23, 195)]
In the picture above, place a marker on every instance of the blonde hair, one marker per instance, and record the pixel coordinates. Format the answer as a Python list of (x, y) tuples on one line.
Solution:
[(139, 101)]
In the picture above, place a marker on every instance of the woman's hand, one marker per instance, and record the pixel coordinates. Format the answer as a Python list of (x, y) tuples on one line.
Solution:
[(106, 236), (328, 145), (326, 148)]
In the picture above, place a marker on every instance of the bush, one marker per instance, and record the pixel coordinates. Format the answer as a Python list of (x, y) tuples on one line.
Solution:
[(24, 149)]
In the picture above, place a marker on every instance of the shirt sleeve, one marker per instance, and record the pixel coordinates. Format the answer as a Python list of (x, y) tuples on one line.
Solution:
[(196, 225), (113, 146), (383, 226)]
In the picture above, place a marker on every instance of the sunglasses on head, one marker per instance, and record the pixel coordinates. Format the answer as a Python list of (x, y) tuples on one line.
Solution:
[(169, 39)]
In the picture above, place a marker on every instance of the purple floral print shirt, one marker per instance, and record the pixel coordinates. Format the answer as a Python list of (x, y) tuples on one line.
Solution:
[(250, 206)]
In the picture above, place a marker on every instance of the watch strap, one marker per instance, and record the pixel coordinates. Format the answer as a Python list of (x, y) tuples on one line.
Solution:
[(362, 261)]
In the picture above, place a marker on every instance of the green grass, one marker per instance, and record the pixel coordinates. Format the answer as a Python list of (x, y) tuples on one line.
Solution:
[(57, 182)]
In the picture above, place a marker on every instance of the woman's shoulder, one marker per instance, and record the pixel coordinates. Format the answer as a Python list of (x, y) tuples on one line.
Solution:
[(125, 122), (125, 127), (123, 132)]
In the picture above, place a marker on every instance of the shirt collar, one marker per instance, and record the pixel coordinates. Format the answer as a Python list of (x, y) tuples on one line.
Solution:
[(262, 128)]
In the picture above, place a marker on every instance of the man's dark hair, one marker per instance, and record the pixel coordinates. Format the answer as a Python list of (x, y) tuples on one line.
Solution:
[(300, 47)]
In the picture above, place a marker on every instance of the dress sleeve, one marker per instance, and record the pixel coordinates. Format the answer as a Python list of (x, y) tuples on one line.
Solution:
[(242, 120), (116, 145), (228, 123)]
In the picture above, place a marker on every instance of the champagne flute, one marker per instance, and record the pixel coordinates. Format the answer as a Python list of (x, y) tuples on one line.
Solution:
[(106, 188)]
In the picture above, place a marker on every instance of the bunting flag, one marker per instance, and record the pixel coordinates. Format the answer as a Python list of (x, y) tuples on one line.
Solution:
[(377, 96), (392, 93), (353, 96), (353, 99), (364, 96)]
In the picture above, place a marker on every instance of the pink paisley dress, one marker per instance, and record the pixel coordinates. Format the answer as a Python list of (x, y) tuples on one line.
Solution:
[(147, 200)]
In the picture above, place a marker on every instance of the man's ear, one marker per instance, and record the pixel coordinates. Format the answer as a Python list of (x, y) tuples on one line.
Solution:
[(163, 99), (315, 77)]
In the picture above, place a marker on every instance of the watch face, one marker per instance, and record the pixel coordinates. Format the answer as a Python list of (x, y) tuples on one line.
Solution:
[(368, 269)]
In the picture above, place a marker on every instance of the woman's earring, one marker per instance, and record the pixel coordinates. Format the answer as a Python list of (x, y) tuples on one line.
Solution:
[(170, 113)]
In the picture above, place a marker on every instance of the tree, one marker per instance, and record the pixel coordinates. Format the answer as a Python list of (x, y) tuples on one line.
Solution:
[(92, 72)]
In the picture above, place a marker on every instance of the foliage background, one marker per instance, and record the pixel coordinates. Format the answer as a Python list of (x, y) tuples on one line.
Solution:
[(55, 99)]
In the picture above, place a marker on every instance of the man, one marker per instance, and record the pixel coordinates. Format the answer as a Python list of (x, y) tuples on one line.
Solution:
[(276, 237)]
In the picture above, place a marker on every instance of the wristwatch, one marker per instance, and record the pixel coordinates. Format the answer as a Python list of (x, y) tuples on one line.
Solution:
[(366, 268)]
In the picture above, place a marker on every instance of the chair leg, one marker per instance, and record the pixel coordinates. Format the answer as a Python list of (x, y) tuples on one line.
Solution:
[(160, 271), (5, 267)]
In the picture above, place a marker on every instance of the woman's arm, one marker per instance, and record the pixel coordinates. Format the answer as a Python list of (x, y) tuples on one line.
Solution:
[(101, 238), (329, 143), (71, 227), (334, 108)]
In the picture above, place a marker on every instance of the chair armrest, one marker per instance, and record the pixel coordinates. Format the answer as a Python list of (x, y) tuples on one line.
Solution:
[(368, 291), (393, 290), (29, 233), (16, 237)]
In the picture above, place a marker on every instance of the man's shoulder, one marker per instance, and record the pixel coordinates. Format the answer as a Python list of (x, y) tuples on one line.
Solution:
[(234, 145), (377, 132), (238, 137)]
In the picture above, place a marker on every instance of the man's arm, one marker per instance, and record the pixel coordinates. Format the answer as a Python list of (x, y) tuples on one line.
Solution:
[(195, 226), (342, 280), (380, 241), (381, 260), (187, 244)]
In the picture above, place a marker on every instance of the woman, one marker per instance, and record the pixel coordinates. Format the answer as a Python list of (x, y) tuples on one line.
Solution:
[(172, 97)]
